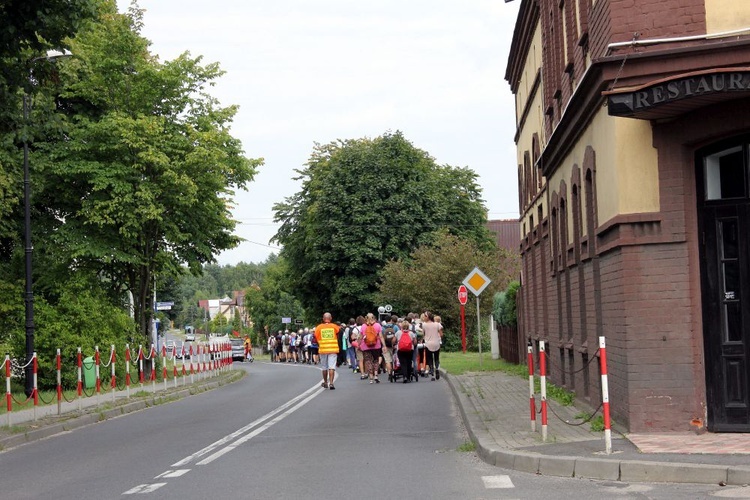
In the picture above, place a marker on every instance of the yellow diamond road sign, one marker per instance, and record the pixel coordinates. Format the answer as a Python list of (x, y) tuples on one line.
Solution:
[(476, 281)]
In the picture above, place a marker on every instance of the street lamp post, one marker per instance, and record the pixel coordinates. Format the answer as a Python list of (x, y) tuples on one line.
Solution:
[(52, 55)]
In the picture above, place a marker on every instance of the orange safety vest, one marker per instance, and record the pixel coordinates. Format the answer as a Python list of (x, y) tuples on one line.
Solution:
[(327, 341)]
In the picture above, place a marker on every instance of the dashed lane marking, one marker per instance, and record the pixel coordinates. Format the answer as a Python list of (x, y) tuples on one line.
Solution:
[(239, 432), (257, 431), (497, 482), (144, 488), (172, 473), (230, 442)]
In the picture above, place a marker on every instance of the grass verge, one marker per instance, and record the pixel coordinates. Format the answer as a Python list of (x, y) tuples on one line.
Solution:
[(459, 363)]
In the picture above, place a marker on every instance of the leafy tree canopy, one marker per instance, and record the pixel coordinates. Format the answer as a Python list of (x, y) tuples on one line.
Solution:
[(429, 279), (365, 202), (27, 30), (271, 300), (138, 178)]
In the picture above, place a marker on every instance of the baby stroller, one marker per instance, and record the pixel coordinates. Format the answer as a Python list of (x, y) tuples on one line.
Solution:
[(397, 373)]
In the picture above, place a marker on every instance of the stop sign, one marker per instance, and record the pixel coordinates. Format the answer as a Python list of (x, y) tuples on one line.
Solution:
[(463, 294)]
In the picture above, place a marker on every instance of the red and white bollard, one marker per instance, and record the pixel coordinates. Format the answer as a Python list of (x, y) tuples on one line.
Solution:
[(8, 396), (113, 379), (36, 387), (164, 365), (212, 358), (140, 364), (192, 371), (79, 386), (532, 403), (58, 366), (605, 396), (127, 370), (97, 360), (152, 356), (174, 366), (543, 384)]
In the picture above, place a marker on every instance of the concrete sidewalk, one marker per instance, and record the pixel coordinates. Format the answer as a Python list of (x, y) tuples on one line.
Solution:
[(495, 408)]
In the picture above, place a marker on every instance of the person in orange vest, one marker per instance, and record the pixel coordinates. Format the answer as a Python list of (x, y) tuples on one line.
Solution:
[(248, 347), (326, 333)]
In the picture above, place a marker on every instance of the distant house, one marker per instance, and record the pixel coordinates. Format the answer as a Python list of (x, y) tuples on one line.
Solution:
[(226, 307)]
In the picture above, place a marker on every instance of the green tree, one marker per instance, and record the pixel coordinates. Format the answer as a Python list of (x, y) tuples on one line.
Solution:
[(28, 29), (269, 302), (363, 203), (219, 324), (36, 26), (141, 185), (505, 305), (237, 324), (80, 317), (428, 279)]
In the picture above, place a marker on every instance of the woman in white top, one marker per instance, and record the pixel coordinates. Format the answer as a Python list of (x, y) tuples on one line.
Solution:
[(433, 333)]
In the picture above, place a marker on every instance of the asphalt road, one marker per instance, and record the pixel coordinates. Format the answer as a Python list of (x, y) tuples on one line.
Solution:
[(277, 434)]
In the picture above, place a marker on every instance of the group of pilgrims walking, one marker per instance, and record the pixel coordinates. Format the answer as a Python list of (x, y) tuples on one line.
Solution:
[(401, 348)]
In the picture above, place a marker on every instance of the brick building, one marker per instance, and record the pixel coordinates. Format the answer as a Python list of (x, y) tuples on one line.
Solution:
[(633, 140), (505, 232)]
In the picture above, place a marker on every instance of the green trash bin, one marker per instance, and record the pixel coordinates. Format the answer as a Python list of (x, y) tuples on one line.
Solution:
[(89, 373)]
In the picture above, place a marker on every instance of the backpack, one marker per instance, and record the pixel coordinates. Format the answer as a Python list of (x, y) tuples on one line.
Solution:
[(354, 336), (371, 336), (405, 343), (285, 339), (390, 334)]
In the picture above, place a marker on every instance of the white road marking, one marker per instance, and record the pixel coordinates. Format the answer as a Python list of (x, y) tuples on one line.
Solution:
[(740, 492), (316, 389), (257, 431), (144, 488), (173, 473), (269, 418), (497, 482)]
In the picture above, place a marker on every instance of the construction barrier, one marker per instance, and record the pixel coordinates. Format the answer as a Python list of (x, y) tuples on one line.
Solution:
[(212, 360), (602, 352)]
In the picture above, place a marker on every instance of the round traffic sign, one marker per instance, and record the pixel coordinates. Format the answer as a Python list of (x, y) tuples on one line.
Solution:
[(463, 295)]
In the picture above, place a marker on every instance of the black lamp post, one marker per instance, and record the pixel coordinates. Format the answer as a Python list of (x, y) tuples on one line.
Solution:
[(52, 55)]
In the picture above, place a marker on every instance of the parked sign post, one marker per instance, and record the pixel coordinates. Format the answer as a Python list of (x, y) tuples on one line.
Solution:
[(477, 281), (463, 296)]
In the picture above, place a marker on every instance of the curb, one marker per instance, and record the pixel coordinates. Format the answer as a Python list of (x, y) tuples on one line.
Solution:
[(95, 415), (585, 467)]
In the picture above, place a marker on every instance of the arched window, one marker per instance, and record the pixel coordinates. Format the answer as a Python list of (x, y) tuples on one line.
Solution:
[(535, 161), (591, 237), (576, 223), (520, 189), (527, 179), (554, 230), (563, 233)]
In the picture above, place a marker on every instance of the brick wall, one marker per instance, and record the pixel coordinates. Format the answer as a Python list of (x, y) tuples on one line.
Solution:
[(656, 18)]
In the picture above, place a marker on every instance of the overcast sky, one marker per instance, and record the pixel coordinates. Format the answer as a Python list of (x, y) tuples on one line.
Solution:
[(307, 71)]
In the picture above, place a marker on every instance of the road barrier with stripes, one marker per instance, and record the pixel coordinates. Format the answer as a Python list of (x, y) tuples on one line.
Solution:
[(602, 353), (205, 361)]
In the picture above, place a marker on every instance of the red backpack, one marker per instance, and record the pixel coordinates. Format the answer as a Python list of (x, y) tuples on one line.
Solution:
[(405, 343), (371, 336)]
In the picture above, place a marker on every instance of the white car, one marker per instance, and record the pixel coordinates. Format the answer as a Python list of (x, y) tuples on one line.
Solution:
[(190, 337)]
